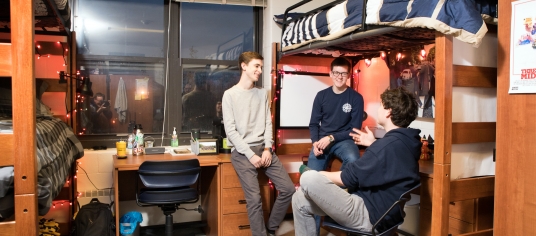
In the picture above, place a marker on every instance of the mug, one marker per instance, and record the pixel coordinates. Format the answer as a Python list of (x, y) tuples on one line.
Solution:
[(121, 148), (225, 146), (148, 144)]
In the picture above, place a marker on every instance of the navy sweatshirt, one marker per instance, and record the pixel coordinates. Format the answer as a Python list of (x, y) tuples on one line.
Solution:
[(336, 114), (387, 169)]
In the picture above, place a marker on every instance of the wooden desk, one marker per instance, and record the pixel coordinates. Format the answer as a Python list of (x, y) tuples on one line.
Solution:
[(471, 202), (209, 184)]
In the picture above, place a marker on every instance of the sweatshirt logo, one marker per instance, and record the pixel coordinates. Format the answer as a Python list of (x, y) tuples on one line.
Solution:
[(346, 107)]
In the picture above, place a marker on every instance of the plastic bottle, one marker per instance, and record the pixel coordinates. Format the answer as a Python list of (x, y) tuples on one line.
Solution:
[(174, 139), (138, 150)]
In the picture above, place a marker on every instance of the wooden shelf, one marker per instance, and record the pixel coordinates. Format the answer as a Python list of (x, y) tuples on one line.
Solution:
[(474, 76), (473, 132)]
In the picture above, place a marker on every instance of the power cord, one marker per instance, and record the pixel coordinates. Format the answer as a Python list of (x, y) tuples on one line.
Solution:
[(78, 165)]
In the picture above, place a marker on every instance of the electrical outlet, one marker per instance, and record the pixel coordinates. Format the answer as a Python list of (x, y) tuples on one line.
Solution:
[(101, 193), (94, 193)]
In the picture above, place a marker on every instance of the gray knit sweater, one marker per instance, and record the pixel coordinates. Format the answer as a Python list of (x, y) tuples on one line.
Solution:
[(247, 118)]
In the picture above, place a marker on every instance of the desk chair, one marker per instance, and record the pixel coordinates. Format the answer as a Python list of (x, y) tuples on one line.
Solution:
[(167, 185), (328, 222)]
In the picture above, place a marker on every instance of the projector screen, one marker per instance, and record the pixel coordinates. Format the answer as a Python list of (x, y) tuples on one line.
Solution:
[(297, 96)]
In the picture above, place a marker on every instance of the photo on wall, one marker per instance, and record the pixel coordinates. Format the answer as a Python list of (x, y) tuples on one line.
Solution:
[(414, 70)]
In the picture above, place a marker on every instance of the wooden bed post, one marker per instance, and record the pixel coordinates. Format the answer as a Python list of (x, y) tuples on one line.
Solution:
[(273, 87), (71, 92), (23, 82), (443, 135)]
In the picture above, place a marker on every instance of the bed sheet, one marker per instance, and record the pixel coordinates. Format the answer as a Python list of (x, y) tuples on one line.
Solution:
[(57, 149), (465, 20)]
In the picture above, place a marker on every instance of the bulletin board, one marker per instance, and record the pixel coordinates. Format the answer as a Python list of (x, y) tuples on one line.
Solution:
[(297, 96)]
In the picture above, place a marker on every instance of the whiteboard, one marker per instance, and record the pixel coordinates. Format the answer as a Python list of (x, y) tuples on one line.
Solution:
[(297, 96)]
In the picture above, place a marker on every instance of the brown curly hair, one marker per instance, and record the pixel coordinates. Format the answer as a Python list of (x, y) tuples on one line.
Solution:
[(404, 107)]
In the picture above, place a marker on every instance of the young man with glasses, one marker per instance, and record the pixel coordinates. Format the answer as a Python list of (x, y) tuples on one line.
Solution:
[(336, 110)]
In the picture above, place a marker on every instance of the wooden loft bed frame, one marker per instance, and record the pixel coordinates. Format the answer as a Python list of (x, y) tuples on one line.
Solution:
[(442, 191), (447, 133), (17, 61)]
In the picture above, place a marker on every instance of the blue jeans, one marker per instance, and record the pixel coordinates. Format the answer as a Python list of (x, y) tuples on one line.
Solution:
[(346, 150)]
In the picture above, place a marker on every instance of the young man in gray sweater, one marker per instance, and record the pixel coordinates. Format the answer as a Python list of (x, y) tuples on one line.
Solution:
[(248, 125)]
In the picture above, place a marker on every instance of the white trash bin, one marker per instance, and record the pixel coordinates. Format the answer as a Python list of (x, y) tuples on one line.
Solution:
[(411, 221)]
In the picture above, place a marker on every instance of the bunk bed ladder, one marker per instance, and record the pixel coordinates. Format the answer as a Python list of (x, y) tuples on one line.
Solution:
[(447, 133), (17, 61)]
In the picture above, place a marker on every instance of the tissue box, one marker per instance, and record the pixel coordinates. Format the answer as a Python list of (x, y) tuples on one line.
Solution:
[(204, 146)]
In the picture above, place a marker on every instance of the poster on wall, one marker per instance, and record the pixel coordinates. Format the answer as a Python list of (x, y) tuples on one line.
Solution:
[(414, 70), (523, 47)]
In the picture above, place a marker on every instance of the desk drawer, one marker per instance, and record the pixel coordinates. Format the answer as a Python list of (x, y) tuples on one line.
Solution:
[(456, 226), (230, 178), (238, 224), (233, 200)]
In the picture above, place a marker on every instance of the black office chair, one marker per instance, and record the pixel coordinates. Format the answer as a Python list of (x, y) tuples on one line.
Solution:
[(167, 185), (328, 222)]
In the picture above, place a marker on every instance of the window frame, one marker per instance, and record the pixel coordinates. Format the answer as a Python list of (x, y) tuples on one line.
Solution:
[(173, 110)]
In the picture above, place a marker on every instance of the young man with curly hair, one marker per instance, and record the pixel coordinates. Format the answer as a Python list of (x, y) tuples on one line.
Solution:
[(388, 168)]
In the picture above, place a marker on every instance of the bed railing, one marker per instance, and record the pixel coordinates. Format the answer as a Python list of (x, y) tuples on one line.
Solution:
[(286, 22), (17, 61)]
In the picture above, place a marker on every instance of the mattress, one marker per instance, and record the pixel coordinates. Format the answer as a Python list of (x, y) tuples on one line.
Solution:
[(465, 20), (45, 15), (57, 149)]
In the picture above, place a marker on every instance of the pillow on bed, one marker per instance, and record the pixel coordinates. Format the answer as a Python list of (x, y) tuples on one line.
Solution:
[(278, 19)]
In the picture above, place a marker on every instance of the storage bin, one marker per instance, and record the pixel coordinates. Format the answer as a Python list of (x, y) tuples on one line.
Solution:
[(411, 221)]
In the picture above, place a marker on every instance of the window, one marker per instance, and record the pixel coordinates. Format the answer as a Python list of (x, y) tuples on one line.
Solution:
[(203, 90), (216, 32), (210, 59), (122, 47)]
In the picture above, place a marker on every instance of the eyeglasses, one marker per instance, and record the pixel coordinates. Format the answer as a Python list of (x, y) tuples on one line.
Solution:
[(336, 74)]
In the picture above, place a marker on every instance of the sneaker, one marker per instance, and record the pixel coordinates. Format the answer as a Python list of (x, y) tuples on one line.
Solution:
[(304, 168)]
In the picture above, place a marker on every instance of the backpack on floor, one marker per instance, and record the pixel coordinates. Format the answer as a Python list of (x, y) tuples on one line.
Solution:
[(95, 219)]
